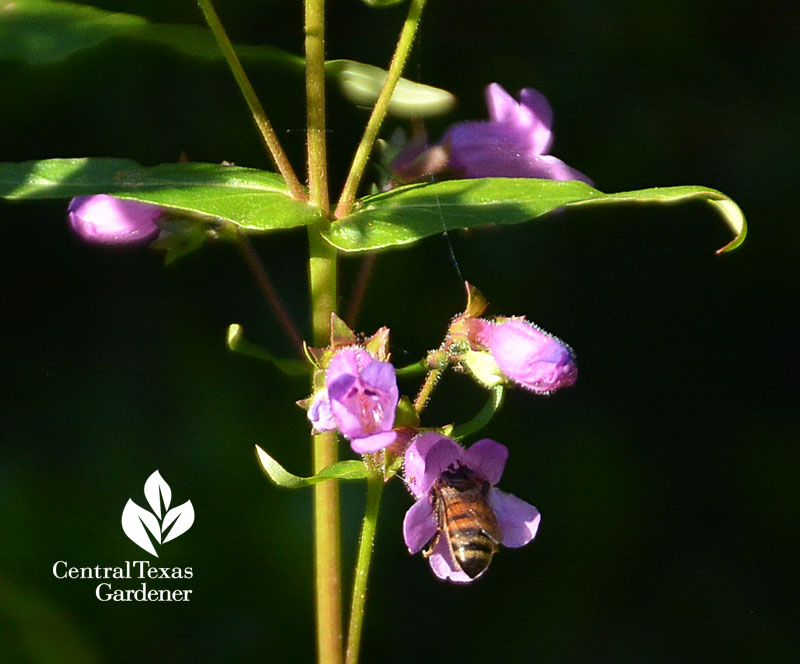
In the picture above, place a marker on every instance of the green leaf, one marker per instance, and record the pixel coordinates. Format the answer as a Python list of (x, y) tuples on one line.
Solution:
[(341, 470), (44, 31), (238, 344), (408, 214), (251, 199), (361, 84), (382, 3)]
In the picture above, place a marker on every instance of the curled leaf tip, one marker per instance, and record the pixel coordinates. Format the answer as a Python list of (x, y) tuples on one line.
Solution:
[(233, 336), (734, 217)]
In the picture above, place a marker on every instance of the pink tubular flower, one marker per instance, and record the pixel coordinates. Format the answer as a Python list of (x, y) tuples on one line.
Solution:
[(104, 219), (528, 355), (360, 399), (513, 144), (448, 480)]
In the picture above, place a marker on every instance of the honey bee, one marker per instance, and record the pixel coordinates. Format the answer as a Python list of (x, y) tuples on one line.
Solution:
[(465, 519)]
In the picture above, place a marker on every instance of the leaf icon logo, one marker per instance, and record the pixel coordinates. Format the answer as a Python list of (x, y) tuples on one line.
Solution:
[(144, 527)]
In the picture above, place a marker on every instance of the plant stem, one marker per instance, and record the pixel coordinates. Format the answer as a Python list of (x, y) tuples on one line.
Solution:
[(404, 42), (322, 278), (322, 281), (484, 415), (268, 136), (315, 105), (268, 290), (365, 548), (426, 389), (360, 288)]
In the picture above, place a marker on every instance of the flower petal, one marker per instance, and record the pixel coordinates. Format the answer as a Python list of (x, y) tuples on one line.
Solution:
[(374, 442), (556, 169), (542, 114), (502, 106), (319, 414), (488, 459), (444, 565), (428, 456), (419, 525), (518, 520), (530, 356), (347, 361), (103, 219)]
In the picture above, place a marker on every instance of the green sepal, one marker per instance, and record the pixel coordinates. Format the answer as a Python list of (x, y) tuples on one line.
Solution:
[(410, 213), (341, 334), (476, 302), (350, 469), (180, 237), (238, 344), (405, 415)]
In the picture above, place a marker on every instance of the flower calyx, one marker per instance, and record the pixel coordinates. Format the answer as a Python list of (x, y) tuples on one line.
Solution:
[(354, 389), (508, 350)]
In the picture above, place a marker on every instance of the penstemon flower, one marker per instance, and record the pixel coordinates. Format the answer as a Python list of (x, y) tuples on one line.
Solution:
[(524, 354), (359, 399), (513, 143), (103, 219), (459, 513)]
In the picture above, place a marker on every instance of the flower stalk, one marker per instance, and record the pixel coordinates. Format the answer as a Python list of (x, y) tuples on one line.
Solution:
[(327, 563), (427, 387), (267, 133), (315, 104), (365, 548), (268, 289), (404, 43)]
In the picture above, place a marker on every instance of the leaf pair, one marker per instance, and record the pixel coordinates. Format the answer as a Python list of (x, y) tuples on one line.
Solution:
[(256, 200)]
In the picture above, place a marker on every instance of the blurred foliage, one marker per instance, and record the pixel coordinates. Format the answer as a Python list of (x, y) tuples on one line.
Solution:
[(667, 477)]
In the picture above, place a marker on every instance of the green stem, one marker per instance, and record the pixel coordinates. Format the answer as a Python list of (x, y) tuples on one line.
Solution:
[(327, 564), (268, 135), (365, 548), (426, 389), (315, 105), (484, 415), (406, 39)]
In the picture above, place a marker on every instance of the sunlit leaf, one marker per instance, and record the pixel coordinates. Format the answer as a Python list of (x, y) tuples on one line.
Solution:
[(407, 214), (342, 470), (248, 198), (382, 3), (238, 344), (46, 31), (361, 84)]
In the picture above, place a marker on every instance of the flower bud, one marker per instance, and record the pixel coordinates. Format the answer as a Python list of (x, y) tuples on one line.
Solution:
[(104, 219), (527, 355)]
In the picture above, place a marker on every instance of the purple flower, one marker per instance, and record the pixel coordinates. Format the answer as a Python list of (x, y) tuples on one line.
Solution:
[(513, 144), (104, 219), (527, 355), (438, 469), (360, 400)]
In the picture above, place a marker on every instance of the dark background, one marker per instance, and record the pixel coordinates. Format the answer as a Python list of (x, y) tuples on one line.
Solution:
[(667, 477)]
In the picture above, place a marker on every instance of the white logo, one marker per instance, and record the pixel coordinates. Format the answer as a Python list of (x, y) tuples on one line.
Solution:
[(138, 522)]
